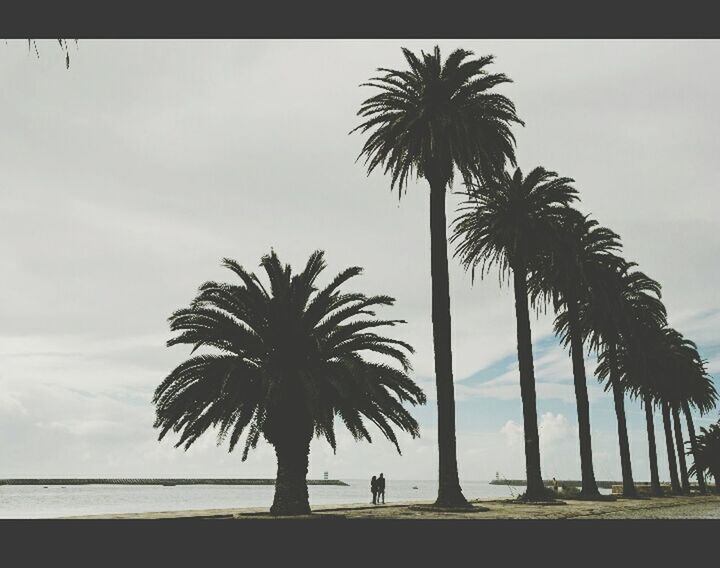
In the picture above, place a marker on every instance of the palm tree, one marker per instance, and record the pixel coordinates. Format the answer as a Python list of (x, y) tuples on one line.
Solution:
[(428, 121), (286, 361), (687, 383), (620, 298), (662, 384), (707, 456), (659, 376), (680, 369), (645, 362), (669, 444), (703, 396), (510, 221), (563, 275), (641, 361)]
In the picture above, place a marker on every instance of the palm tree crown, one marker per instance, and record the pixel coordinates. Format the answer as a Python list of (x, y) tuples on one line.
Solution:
[(437, 116), (510, 220), (566, 268), (619, 298)]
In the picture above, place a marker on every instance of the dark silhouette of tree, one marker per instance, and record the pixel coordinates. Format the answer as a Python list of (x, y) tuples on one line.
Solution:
[(562, 275), (703, 396), (647, 403), (287, 360), (510, 222), (620, 297), (683, 381), (428, 121), (670, 445), (638, 360), (707, 454)]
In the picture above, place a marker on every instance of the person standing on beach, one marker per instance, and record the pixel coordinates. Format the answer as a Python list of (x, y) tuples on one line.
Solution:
[(381, 488), (374, 489)]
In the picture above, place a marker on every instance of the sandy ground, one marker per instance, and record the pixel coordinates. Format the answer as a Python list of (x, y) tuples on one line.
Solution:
[(695, 507)]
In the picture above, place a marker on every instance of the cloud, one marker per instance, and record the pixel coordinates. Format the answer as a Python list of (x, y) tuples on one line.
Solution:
[(119, 202)]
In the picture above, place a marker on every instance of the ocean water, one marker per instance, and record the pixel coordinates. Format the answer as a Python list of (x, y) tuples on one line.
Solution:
[(35, 501)]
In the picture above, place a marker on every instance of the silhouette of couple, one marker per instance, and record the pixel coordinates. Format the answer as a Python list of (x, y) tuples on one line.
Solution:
[(377, 487)]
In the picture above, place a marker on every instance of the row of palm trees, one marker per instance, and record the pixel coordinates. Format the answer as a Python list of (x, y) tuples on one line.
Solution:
[(287, 359), (527, 226), (442, 117)]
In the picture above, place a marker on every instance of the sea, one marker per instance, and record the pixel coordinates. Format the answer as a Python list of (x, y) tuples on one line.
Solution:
[(53, 501)]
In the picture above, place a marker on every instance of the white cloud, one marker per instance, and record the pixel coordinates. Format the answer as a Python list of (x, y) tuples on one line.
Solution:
[(118, 202)]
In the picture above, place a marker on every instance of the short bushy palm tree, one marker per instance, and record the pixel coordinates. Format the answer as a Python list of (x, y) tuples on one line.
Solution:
[(286, 361), (509, 222), (707, 454), (702, 395), (428, 121), (562, 275)]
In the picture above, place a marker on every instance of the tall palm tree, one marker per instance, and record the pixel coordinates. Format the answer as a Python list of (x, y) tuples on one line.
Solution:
[(562, 275), (670, 445), (686, 383), (663, 384), (641, 359), (678, 361), (620, 296), (637, 360), (285, 361), (428, 121), (510, 222)]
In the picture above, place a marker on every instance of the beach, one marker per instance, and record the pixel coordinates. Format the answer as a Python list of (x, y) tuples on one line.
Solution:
[(680, 507)]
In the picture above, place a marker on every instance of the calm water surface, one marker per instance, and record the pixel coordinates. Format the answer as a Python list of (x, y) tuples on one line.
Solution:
[(34, 501)]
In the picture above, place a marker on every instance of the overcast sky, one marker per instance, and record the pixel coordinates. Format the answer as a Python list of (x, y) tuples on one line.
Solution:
[(125, 179)]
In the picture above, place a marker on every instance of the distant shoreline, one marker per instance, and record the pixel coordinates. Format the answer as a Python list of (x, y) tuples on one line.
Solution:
[(156, 481)]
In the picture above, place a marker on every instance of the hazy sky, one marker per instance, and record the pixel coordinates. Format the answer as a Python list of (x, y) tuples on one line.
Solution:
[(125, 179)]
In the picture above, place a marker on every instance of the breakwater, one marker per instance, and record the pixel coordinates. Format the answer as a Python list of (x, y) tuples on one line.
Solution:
[(155, 481)]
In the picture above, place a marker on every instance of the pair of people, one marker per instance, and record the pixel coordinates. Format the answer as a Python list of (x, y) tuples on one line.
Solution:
[(377, 488)]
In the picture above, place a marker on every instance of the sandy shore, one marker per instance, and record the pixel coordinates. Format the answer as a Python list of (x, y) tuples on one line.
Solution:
[(695, 507)]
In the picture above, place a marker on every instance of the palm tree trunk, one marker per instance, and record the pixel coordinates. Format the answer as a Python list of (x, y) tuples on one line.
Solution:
[(449, 492), (291, 492), (535, 486), (589, 485), (685, 480), (619, 397), (652, 448), (674, 482), (693, 446)]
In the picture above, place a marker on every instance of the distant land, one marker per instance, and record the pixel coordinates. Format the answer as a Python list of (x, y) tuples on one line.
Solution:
[(155, 481)]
